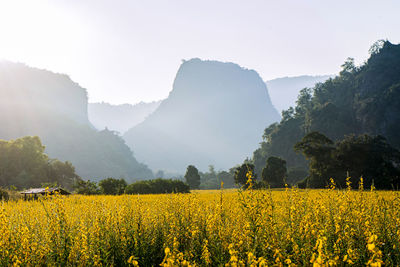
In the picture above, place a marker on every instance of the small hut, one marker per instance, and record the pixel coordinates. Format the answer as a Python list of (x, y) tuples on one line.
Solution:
[(35, 192)]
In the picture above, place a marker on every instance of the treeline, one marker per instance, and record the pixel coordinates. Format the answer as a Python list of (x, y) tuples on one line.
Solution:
[(370, 158), (112, 186), (361, 100), (24, 164)]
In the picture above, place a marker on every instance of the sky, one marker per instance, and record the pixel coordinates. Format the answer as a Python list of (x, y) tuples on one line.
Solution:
[(127, 51)]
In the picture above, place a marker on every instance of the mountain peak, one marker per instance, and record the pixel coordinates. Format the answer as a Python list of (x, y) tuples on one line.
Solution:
[(214, 115)]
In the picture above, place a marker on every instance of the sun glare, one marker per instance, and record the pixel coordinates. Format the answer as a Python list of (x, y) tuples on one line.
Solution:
[(36, 32)]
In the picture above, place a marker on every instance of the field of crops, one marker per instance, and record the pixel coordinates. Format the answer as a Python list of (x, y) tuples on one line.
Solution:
[(205, 228)]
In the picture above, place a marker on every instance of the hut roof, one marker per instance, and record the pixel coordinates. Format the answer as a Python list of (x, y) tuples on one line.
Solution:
[(43, 191)]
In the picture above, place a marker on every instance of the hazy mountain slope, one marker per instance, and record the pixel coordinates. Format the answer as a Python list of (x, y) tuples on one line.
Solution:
[(39, 102), (119, 118), (214, 115), (284, 91)]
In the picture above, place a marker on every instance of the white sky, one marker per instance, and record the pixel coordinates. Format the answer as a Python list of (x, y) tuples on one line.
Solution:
[(129, 51)]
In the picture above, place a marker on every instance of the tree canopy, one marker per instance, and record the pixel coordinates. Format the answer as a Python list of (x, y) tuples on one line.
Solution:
[(245, 175), (369, 157), (24, 164), (274, 174), (360, 100), (192, 177)]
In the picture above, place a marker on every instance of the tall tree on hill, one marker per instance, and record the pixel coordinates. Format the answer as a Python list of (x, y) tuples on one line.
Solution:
[(192, 177)]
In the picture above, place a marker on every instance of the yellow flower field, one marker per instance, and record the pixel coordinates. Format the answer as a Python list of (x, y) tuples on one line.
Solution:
[(205, 228)]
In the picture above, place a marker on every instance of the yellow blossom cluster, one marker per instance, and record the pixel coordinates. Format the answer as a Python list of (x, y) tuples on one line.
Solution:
[(289, 227)]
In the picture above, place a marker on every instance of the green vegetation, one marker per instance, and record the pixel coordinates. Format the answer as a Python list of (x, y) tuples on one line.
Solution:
[(157, 186), (360, 100), (274, 174), (24, 164), (86, 188), (4, 195), (242, 176), (192, 177), (213, 179), (112, 186), (355, 156)]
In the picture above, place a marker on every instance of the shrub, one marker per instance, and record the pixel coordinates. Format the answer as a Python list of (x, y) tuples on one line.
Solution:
[(4, 195), (157, 186)]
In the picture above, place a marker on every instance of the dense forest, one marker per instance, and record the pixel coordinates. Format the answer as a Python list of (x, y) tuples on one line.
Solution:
[(360, 100)]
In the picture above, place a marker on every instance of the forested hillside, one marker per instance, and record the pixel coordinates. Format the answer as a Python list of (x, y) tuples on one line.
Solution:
[(360, 100), (40, 103), (283, 91)]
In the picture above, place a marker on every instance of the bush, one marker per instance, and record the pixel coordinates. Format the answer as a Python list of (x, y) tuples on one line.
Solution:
[(112, 186), (4, 195), (157, 186), (140, 187), (86, 187)]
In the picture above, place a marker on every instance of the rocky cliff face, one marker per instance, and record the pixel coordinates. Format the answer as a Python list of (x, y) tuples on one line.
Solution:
[(215, 114), (53, 107)]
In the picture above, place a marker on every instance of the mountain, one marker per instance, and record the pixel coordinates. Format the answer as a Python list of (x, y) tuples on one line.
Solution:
[(360, 100), (119, 118), (53, 107), (214, 115), (284, 91)]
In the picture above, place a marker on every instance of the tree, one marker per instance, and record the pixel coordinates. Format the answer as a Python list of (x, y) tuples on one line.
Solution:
[(360, 100), (317, 148), (274, 173), (157, 186), (112, 186), (227, 178), (24, 164), (63, 173), (192, 177), (370, 157), (86, 187), (245, 175), (296, 174)]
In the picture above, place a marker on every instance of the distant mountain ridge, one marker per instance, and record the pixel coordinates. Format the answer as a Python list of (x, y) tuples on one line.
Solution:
[(119, 118), (284, 90), (52, 106), (214, 115)]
